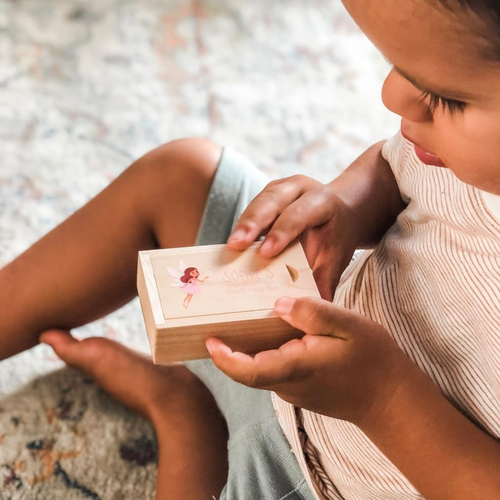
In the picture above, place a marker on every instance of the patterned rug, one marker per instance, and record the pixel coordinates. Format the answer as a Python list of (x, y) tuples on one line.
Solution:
[(87, 87)]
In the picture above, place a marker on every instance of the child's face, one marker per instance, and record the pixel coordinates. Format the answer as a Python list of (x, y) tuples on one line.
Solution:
[(438, 51)]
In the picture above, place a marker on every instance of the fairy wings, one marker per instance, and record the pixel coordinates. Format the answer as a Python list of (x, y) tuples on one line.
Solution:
[(177, 274)]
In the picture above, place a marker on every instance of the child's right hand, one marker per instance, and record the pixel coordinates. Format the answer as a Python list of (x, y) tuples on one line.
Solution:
[(300, 206)]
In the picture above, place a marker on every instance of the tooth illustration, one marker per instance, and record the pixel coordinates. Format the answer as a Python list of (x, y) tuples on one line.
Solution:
[(294, 274)]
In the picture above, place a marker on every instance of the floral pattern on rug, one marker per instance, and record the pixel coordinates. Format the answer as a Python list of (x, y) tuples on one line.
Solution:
[(61, 425)]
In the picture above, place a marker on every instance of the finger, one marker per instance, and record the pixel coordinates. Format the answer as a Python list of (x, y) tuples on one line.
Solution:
[(262, 212), (324, 261), (315, 316), (327, 270), (308, 211), (323, 275), (265, 208), (267, 369)]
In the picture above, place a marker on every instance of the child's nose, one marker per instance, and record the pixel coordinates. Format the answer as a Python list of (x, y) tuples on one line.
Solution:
[(402, 98)]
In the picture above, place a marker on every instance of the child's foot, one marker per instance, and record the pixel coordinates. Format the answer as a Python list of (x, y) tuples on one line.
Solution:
[(131, 377), (192, 434)]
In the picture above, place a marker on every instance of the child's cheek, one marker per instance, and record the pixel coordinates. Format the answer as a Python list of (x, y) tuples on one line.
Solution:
[(469, 144)]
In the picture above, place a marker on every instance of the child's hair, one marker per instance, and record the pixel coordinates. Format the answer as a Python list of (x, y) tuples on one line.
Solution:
[(488, 13), (187, 274)]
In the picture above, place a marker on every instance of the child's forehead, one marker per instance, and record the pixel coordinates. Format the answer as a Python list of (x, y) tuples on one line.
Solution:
[(423, 22), (435, 45)]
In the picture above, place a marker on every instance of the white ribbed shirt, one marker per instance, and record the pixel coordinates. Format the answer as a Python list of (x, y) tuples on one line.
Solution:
[(434, 283)]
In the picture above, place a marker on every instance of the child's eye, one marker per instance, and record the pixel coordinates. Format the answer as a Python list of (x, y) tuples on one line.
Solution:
[(436, 101)]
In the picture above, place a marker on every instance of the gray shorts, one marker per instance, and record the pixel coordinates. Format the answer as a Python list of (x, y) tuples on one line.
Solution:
[(261, 463)]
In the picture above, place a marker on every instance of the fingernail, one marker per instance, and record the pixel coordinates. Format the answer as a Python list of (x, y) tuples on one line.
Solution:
[(284, 305), (266, 246), (238, 235)]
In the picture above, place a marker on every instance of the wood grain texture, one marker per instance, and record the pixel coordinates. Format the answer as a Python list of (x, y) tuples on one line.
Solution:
[(233, 299)]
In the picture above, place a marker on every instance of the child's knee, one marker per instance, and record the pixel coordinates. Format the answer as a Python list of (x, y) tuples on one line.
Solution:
[(175, 178), (190, 158), (181, 170)]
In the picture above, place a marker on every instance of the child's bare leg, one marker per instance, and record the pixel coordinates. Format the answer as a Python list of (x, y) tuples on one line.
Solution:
[(86, 267), (191, 433)]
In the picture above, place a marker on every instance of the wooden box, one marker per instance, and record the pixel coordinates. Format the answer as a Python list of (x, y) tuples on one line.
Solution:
[(190, 294)]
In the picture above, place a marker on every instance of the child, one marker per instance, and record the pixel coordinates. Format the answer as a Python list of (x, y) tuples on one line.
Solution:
[(393, 393)]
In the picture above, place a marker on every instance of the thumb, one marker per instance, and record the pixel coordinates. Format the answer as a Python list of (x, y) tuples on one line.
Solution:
[(266, 369), (313, 316)]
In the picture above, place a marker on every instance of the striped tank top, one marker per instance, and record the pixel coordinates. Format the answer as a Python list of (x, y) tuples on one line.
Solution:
[(434, 283)]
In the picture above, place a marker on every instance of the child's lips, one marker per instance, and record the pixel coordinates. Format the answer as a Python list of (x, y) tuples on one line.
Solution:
[(423, 155), (428, 158)]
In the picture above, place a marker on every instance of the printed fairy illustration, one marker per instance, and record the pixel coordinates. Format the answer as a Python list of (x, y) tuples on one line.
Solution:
[(188, 280)]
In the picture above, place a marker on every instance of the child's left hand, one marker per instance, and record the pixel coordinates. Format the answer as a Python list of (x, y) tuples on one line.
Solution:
[(346, 366)]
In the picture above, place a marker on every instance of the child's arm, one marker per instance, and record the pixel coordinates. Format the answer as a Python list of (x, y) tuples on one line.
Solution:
[(353, 211), (348, 367)]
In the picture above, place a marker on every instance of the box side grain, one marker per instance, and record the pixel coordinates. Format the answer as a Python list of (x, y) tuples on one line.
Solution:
[(145, 293), (250, 336)]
